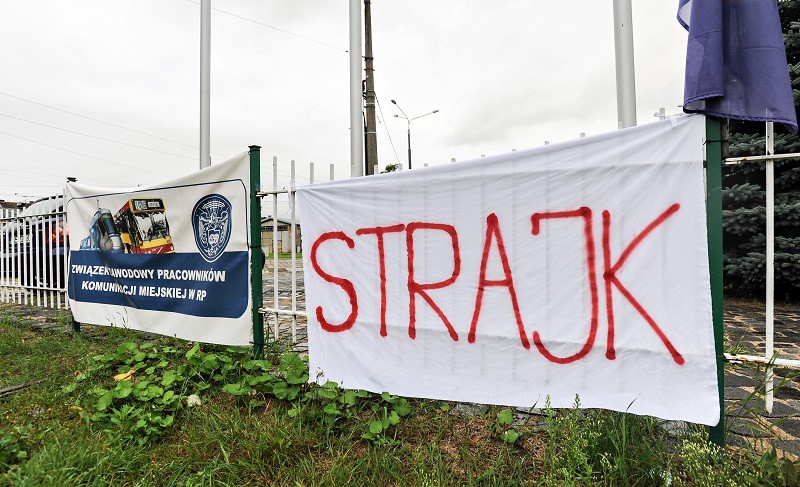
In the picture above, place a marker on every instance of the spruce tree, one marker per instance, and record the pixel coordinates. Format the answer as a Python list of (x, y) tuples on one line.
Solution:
[(744, 197)]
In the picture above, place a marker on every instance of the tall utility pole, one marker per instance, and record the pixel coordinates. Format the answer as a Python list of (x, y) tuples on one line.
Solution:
[(356, 92), (205, 83), (623, 51), (369, 92)]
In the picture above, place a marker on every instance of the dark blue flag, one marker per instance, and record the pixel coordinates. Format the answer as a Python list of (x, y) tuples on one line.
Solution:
[(736, 62)]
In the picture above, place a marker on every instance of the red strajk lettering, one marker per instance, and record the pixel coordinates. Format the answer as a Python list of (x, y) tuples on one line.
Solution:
[(380, 232), (610, 278), (586, 214), (415, 287), (339, 281), (493, 232)]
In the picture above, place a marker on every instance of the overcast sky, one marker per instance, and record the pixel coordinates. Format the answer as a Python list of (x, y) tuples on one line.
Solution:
[(503, 75)]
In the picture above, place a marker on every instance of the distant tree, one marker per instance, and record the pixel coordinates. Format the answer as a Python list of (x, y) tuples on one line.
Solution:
[(744, 197), (391, 168)]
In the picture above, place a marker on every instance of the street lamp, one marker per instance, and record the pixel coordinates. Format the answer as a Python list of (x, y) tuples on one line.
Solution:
[(408, 122)]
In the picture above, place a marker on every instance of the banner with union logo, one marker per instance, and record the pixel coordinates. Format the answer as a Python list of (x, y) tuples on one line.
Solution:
[(574, 270), (170, 258)]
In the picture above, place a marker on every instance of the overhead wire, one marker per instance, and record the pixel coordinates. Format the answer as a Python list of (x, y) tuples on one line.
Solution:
[(81, 154), (387, 129), (14, 170), (103, 122), (13, 173), (96, 137), (272, 27)]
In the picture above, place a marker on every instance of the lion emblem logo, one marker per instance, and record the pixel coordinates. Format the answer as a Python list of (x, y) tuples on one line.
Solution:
[(211, 220)]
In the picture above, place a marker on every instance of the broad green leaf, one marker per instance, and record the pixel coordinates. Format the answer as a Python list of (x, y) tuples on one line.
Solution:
[(105, 401), (349, 398), (260, 379), (332, 409), (126, 347), (169, 378), (292, 392), (510, 437), (402, 407), (235, 389), (293, 368), (122, 390), (375, 427), (193, 351), (505, 417), (280, 390)]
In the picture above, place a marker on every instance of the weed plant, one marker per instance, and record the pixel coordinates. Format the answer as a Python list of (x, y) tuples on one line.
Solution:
[(117, 410)]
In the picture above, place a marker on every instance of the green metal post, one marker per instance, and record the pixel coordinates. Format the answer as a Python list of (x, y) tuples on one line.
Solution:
[(714, 224), (256, 257)]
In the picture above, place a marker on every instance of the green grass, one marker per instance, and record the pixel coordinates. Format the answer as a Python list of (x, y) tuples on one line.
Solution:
[(317, 435)]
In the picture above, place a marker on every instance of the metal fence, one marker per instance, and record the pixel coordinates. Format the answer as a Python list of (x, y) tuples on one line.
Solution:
[(34, 260), (770, 357), (34, 254), (281, 312)]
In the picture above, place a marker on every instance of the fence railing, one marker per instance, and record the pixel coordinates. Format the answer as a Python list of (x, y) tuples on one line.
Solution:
[(34, 254), (770, 357), (276, 308), (34, 259)]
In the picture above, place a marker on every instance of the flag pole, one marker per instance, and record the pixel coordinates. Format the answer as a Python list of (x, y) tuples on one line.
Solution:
[(623, 54), (205, 83), (356, 124)]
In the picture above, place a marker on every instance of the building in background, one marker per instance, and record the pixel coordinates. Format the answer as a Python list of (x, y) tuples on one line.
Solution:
[(284, 235)]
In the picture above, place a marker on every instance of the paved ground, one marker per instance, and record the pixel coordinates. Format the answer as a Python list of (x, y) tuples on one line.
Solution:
[(746, 417), (744, 386)]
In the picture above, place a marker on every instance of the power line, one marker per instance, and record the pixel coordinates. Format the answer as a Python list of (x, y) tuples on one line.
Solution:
[(96, 137), (103, 121), (272, 27), (387, 129), (13, 173), (62, 176), (29, 186), (27, 177), (81, 154), (331, 145)]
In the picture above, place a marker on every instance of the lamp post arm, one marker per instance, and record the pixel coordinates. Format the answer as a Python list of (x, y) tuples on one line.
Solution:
[(425, 114)]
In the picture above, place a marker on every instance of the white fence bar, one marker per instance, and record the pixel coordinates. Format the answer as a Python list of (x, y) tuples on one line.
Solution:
[(4, 212), (292, 209), (771, 157), (27, 258), (285, 312), (776, 362), (275, 240), (62, 253), (770, 265), (51, 231)]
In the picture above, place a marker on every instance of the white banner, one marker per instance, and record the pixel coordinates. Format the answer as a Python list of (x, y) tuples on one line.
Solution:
[(172, 258), (575, 269)]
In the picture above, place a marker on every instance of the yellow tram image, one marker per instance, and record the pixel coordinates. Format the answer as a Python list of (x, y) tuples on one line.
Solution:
[(143, 226)]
